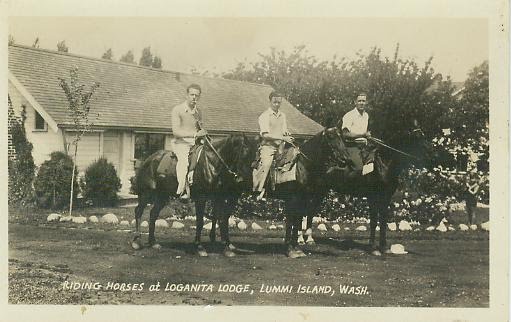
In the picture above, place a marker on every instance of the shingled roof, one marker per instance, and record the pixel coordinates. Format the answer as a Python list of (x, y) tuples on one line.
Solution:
[(136, 97)]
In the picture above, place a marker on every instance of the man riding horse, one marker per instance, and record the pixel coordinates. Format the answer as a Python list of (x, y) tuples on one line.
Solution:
[(355, 133), (274, 133), (186, 128)]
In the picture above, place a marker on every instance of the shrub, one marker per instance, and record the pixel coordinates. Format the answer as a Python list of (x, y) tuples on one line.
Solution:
[(21, 169), (53, 181), (101, 184)]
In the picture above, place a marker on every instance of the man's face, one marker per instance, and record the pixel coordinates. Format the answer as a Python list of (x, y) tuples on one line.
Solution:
[(275, 103), (361, 103), (192, 97)]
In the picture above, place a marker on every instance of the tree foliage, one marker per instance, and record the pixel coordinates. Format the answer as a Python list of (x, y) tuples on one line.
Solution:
[(157, 63), (101, 183), (62, 47), (53, 179), (399, 90), (108, 54), (147, 57), (11, 41), (21, 169), (128, 58), (472, 113)]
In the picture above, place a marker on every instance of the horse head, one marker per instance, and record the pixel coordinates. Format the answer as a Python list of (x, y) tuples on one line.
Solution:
[(241, 154), (416, 144)]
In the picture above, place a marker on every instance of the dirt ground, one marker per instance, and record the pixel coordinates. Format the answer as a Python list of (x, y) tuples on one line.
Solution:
[(47, 261)]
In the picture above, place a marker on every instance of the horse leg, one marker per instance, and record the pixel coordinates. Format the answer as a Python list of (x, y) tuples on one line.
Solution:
[(159, 204), (315, 204), (297, 227), (212, 232), (301, 240), (384, 211), (373, 213), (139, 210), (292, 223), (200, 205), (227, 210)]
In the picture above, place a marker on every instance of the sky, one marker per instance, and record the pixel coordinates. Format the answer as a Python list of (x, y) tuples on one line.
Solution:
[(218, 44)]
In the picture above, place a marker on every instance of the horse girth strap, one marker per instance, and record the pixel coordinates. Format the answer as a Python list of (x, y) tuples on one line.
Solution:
[(206, 139), (379, 142)]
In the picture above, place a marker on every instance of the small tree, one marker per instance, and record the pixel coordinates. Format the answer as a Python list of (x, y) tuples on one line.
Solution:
[(79, 109), (61, 46), (108, 54), (128, 58), (11, 40), (156, 62), (147, 58), (36, 43)]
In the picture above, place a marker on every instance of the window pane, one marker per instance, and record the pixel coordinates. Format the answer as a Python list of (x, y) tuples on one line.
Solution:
[(146, 144), (39, 122)]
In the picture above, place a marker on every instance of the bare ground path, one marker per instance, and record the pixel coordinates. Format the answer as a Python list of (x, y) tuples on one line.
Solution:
[(440, 270)]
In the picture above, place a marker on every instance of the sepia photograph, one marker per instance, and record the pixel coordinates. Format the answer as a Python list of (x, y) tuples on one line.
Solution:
[(194, 162)]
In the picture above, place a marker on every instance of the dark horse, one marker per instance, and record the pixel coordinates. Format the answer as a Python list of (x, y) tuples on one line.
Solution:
[(317, 155), (379, 185), (222, 171)]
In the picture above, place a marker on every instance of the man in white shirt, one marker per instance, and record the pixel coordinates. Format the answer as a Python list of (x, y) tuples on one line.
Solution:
[(354, 130), (273, 131), (354, 123), (186, 127)]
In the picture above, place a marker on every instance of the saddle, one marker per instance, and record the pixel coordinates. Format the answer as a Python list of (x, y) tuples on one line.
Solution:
[(167, 165)]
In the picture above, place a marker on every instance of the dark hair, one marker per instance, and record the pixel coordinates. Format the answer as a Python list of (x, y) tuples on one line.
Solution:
[(194, 86), (275, 94), (361, 94)]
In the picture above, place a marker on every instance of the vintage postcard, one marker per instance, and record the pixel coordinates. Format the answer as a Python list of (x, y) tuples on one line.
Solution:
[(280, 161)]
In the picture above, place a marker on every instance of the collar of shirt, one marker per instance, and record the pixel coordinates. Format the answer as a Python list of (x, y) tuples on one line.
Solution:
[(358, 113), (188, 110), (271, 111)]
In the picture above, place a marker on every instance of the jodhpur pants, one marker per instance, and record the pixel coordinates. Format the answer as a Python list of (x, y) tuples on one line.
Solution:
[(182, 150), (259, 175)]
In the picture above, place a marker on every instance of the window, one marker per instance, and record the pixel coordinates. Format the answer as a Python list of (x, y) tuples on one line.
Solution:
[(40, 124), (148, 143)]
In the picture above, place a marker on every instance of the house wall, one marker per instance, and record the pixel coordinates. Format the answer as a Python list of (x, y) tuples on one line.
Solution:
[(44, 141)]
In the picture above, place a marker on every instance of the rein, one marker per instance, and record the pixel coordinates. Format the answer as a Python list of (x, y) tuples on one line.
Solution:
[(380, 142), (220, 158), (208, 141)]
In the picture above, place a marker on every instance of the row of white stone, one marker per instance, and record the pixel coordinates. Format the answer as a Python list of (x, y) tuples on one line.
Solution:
[(241, 225)]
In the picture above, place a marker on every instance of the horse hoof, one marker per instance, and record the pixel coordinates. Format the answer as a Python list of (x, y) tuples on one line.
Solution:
[(311, 242), (293, 254), (156, 246), (201, 251), (229, 253), (300, 253), (376, 253)]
